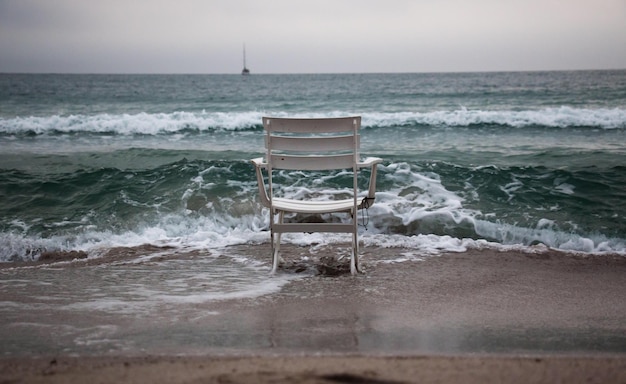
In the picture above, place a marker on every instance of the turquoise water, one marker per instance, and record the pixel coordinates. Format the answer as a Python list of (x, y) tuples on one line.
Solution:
[(90, 162)]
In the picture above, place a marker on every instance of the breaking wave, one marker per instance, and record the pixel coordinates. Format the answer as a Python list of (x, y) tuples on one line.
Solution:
[(209, 204), (190, 122)]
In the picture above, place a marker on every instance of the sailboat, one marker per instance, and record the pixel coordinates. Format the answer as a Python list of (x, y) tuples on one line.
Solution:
[(245, 71)]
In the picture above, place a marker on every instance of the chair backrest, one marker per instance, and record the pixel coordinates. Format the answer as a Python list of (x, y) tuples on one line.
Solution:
[(312, 144)]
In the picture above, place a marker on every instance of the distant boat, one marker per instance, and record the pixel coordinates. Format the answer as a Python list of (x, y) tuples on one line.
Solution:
[(245, 71)]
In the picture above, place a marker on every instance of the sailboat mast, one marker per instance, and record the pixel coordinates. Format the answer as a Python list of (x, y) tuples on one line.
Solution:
[(245, 70)]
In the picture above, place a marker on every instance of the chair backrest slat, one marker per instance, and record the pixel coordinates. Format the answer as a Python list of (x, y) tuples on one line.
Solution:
[(298, 125), (312, 163), (312, 144)]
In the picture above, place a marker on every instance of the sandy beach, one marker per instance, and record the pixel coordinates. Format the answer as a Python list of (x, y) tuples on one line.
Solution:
[(319, 369), (477, 316)]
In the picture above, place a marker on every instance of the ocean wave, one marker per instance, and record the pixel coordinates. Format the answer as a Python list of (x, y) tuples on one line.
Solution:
[(132, 124), (562, 117), (186, 233), (190, 122), (210, 204)]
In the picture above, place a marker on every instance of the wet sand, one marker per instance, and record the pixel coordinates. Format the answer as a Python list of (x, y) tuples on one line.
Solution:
[(477, 316), (318, 369)]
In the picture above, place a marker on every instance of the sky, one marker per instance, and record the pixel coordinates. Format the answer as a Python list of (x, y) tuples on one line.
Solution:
[(310, 36)]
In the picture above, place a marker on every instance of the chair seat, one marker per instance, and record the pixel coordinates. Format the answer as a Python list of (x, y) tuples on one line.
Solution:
[(300, 206)]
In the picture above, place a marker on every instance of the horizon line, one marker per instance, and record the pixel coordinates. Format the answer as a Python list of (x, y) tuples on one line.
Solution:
[(311, 73)]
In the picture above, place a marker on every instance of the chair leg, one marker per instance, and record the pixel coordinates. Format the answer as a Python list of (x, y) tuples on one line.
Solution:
[(354, 260), (274, 260), (276, 245)]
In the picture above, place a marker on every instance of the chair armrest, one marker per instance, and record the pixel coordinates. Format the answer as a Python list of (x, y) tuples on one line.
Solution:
[(259, 163), (369, 162)]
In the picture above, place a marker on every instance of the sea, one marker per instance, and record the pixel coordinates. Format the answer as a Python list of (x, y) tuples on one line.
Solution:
[(89, 162), (100, 165)]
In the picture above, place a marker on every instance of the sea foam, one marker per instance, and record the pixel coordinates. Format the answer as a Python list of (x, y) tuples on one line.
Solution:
[(188, 122)]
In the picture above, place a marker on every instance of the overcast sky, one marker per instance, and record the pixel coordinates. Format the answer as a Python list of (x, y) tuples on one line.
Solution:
[(310, 36)]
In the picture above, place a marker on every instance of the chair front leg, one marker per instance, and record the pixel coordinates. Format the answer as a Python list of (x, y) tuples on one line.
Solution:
[(276, 242), (354, 260)]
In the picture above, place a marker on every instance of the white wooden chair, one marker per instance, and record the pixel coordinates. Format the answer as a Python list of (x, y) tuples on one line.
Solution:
[(313, 145)]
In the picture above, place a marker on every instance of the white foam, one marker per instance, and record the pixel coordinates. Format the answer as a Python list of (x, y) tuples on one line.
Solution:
[(178, 122), (422, 244), (565, 188), (132, 124), (546, 233), (96, 335), (549, 117)]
